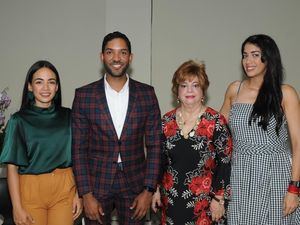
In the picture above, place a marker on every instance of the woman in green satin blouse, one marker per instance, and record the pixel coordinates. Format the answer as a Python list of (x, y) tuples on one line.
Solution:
[(37, 149)]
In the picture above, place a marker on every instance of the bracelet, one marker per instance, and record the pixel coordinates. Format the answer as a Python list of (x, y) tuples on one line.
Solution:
[(295, 183), (293, 189), (220, 201)]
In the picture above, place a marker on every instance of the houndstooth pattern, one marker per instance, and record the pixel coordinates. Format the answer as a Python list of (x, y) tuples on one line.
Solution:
[(261, 167)]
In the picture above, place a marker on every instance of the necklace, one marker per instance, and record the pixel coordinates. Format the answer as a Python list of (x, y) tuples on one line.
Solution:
[(181, 124)]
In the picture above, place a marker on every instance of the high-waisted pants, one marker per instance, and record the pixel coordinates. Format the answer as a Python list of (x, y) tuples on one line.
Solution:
[(48, 198)]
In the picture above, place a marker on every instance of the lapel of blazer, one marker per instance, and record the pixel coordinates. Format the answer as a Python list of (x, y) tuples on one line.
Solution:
[(131, 105), (103, 107)]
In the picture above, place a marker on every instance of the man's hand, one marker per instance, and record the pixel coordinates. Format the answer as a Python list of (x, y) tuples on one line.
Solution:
[(156, 200), (141, 204), (92, 208)]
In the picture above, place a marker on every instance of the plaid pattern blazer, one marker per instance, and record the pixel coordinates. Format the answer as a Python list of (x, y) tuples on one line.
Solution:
[(95, 144)]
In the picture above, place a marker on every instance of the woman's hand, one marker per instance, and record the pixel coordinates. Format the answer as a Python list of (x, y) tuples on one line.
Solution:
[(22, 217), (217, 208), (77, 206), (156, 200), (291, 202)]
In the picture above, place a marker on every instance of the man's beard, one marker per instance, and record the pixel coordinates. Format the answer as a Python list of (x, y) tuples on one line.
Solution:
[(117, 74)]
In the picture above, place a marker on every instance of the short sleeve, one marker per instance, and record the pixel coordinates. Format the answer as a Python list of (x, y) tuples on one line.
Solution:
[(14, 146)]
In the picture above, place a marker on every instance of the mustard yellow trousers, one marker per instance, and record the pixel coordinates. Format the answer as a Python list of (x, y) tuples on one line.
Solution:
[(48, 198)]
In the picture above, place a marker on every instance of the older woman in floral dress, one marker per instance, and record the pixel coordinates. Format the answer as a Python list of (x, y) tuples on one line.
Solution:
[(197, 149)]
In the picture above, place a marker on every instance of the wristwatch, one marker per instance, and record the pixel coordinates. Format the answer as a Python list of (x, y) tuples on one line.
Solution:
[(149, 189), (220, 201), (295, 183)]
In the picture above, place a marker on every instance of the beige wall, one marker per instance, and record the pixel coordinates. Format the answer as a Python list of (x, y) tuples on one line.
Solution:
[(133, 17), (213, 31), (69, 34)]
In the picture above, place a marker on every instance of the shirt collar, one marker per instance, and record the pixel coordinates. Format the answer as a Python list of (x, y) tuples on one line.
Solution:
[(108, 87)]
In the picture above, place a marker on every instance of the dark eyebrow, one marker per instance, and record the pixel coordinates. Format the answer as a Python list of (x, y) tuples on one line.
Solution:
[(257, 51), (38, 78), (122, 49)]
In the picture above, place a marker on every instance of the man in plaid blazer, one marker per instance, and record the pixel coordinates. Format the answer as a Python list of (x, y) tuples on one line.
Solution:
[(113, 119)]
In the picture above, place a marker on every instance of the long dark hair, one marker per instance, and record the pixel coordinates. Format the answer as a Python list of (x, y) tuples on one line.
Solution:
[(269, 98), (35, 67)]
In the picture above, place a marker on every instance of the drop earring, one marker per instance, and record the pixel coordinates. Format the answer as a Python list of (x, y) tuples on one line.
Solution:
[(30, 96)]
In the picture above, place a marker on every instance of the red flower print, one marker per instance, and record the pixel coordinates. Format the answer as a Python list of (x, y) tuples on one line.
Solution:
[(228, 148), (210, 163), (199, 185), (206, 183), (195, 185), (164, 200), (201, 130), (170, 128), (200, 206), (211, 111), (220, 192), (167, 181), (203, 221), (170, 113), (205, 128), (210, 130), (163, 217), (211, 147)]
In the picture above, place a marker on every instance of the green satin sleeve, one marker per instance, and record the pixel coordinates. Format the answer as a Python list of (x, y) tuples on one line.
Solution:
[(14, 146)]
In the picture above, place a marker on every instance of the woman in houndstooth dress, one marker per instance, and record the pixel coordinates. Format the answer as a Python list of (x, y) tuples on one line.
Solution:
[(262, 111)]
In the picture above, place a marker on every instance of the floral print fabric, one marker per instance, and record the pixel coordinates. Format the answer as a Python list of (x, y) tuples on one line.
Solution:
[(194, 168)]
